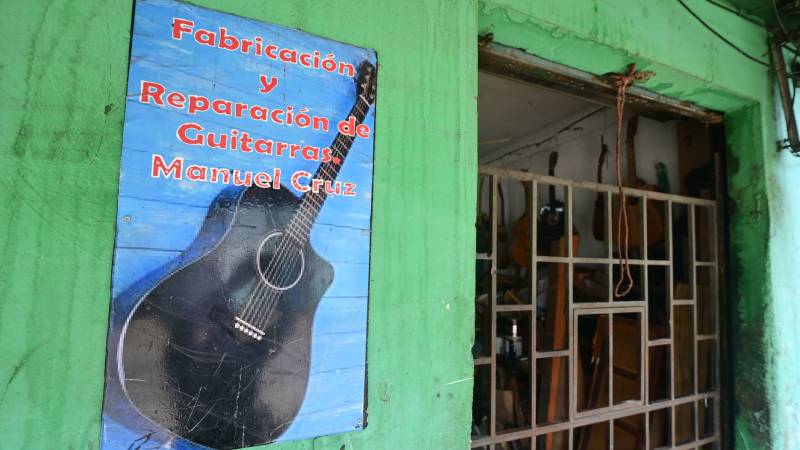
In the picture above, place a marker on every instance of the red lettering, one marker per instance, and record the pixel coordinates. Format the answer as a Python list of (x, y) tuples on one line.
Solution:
[(176, 99), (245, 140), (240, 108), (198, 103), (296, 180), (217, 142), (275, 116), (181, 26), (216, 172), (227, 41), (159, 167), (262, 180), (196, 172), (333, 187), (152, 90), (238, 181), (362, 130), (267, 84), (223, 107), (348, 127), (259, 113), (270, 51), (263, 146), (183, 137), (276, 178), (205, 37), (326, 155), (349, 189), (310, 153)]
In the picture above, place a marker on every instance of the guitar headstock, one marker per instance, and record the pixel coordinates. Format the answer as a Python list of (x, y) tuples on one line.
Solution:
[(553, 162), (366, 82)]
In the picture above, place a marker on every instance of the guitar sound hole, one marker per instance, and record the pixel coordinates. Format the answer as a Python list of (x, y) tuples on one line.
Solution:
[(280, 262)]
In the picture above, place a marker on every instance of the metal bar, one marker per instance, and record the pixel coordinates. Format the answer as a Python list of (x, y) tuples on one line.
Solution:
[(493, 303), (609, 306), (515, 308), (671, 312), (693, 280), (616, 309), (716, 308), (571, 326), (534, 276), (584, 260), (553, 354), (609, 231), (523, 66), (619, 413), (646, 428), (695, 444), (591, 185)]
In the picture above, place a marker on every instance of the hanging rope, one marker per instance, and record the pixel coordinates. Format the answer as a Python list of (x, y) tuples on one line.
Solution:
[(621, 82)]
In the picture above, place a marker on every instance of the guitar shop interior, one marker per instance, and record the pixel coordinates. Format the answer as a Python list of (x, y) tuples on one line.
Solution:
[(596, 296)]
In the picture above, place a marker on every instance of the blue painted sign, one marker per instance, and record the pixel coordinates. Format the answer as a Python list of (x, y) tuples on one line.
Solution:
[(241, 264)]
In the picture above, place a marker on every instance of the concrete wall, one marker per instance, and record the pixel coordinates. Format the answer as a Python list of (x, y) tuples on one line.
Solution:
[(62, 81)]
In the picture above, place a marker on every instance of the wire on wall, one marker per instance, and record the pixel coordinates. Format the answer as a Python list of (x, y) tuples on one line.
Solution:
[(721, 37), (516, 151)]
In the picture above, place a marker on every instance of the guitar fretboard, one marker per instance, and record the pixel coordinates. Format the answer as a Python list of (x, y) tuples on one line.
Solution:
[(311, 204)]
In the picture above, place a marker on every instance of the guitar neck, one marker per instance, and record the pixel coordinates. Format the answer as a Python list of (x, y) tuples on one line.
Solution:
[(312, 202)]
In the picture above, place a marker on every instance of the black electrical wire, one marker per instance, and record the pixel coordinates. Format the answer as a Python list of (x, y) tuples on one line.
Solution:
[(735, 11), (723, 38), (551, 137), (744, 16)]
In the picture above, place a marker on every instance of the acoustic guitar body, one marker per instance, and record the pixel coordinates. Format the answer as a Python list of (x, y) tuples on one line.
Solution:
[(185, 367)]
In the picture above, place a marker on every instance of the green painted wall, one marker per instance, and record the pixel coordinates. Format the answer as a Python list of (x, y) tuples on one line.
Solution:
[(62, 84)]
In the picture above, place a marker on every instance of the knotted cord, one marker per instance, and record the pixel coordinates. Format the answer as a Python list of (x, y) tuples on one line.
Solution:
[(621, 82)]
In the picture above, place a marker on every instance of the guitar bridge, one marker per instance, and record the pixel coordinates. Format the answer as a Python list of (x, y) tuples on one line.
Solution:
[(248, 329)]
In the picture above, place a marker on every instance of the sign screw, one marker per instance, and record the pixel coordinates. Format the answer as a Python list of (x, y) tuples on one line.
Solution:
[(127, 218)]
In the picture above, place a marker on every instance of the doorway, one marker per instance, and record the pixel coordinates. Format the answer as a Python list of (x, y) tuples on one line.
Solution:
[(591, 334)]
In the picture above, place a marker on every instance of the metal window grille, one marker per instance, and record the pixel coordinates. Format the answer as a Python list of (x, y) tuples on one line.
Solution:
[(667, 334)]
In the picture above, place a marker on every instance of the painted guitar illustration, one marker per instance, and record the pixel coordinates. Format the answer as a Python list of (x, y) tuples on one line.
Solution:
[(219, 351)]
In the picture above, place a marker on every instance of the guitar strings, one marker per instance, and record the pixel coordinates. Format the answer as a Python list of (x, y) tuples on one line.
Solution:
[(347, 142), (272, 295), (251, 309), (247, 312), (272, 302), (263, 313)]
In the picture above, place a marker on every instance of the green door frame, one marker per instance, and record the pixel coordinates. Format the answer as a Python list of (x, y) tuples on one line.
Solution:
[(691, 65)]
